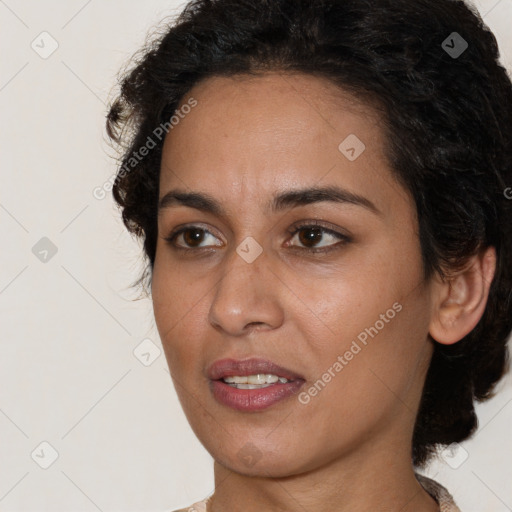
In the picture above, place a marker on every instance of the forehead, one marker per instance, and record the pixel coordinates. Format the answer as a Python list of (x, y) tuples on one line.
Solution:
[(273, 131), (293, 106)]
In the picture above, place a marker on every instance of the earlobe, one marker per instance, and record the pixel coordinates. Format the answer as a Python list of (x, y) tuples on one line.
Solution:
[(459, 301)]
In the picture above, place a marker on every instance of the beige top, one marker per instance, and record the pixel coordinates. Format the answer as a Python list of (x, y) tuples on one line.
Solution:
[(439, 493), (436, 490)]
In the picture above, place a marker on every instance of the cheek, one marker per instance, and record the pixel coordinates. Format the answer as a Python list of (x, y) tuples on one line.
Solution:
[(376, 380), (176, 292), (177, 307), (375, 316), (354, 297)]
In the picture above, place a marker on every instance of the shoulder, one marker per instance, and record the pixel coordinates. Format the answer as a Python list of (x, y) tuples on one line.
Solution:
[(199, 506), (439, 493)]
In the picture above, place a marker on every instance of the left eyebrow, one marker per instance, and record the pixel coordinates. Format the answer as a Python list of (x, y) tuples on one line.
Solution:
[(281, 201)]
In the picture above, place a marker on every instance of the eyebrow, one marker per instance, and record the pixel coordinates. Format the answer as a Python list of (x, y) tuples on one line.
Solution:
[(281, 201)]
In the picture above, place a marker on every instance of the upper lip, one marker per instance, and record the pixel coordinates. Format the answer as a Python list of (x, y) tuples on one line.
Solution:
[(252, 366)]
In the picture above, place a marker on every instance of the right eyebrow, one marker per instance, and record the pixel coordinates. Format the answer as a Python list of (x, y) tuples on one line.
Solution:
[(281, 201)]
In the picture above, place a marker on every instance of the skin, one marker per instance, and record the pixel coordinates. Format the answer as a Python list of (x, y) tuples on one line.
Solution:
[(348, 448)]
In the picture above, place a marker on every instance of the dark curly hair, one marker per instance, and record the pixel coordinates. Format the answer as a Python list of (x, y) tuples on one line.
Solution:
[(448, 124)]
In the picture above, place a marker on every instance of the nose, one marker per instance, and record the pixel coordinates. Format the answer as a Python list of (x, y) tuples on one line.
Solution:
[(247, 297)]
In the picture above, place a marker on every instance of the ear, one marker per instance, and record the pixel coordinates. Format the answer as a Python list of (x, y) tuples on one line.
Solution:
[(460, 300)]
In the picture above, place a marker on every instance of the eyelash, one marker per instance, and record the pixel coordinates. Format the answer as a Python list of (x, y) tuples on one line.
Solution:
[(344, 239)]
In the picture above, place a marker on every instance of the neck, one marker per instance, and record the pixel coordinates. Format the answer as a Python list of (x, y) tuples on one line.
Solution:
[(350, 483)]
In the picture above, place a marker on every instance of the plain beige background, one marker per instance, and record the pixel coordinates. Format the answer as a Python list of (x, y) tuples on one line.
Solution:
[(84, 388)]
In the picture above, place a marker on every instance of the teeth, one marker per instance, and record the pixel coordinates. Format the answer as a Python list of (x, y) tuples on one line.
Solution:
[(235, 380), (254, 381), (250, 386), (262, 378)]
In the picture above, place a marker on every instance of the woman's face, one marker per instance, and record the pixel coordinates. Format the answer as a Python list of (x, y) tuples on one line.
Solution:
[(340, 305)]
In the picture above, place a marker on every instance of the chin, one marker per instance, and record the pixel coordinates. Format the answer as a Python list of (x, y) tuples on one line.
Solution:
[(259, 458)]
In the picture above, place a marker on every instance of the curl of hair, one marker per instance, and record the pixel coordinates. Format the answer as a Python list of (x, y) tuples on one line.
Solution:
[(448, 124)]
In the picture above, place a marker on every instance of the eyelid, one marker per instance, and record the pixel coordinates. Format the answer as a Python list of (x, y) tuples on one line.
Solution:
[(184, 227), (326, 227)]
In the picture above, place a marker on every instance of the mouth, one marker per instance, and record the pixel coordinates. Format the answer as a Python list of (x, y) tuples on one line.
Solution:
[(252, 384), (256, 381)]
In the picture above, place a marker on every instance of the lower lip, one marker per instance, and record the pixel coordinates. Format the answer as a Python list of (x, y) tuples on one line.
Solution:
[(253, 399)]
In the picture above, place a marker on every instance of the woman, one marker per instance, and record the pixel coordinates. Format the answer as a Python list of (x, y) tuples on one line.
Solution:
[(321, 371)]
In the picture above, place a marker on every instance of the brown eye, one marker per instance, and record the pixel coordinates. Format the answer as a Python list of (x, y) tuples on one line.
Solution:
[(192, 237), (310, 236)]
